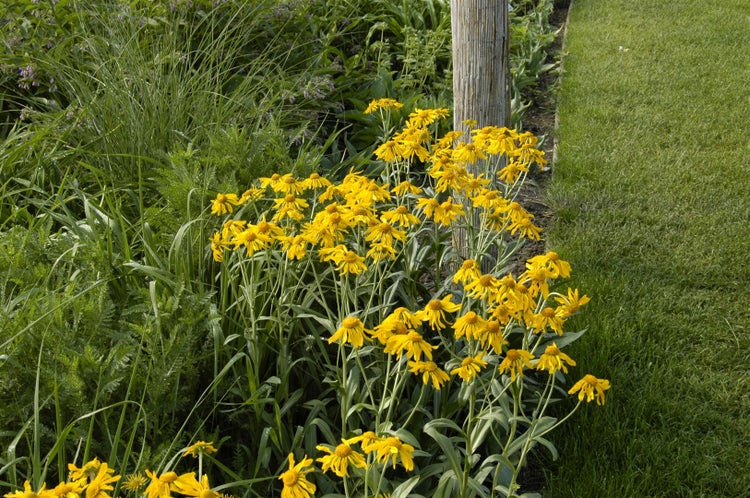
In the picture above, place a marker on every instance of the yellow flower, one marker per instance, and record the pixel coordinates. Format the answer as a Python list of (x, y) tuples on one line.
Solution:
[(88, 470), (470, 367), (430, 372), (352, 263), (315, 181), (224, 203), (159, 486), (412, 342), (102, 482), (288, 184), (392, 448), (384, 103), (571, 304), (400, 216), (469, 271), (434, 312), (491, 333), (366, 440), (294, 245), (380, 251), (512, 171), (514, 363), (270, 181), (217, 247), (421, 118), (467, 325), (451, 178), (590, 387), (553, 360), (482, 287), (406, 187), (390, 151), (339, 459), (199, 448), (448, 212), (400, 322), (552, 263), (384, 233), (295, 480), (467, 153), (489, 199), (352, 330), (251, 194), (547, 318), (289, 206), (252, 239), (71, 489), (134, 482), (28, 493), (188, 485)]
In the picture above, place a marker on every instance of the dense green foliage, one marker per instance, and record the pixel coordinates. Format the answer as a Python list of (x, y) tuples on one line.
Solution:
[(119, 122)]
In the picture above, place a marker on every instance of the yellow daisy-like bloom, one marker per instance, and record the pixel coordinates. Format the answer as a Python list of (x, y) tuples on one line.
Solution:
[(270, 181), (448, 212), (188, 485), (547, 318), (470, 367), (160, 485), (467, 325), (392, 448), (512, 171), (514, 363), (351, 263), (288, 184), (71, 489), (384, 233), (422, 118), (537, 280), (367, 440), (434, 312), (134, 482), (87, 471), (29, 493), (446, 141), (352, 330), (467, 153), (450, 179), (553, 360), (469, 271), (384, 103), (295, 480), (571, 303), (368, 192), (339, 459), (490, 333), (251, 194), (430, 373), (428, 205), (380, 251), (315, 181), (412, 342), (252, 239), (199, 448), (390, 151), (294, 245), (218, 244), (590, 387), (224, 203), (101, 484), (552, 263), (489, 199), (406, 187), (400, 216), (482, 287), (400, 322), (289, 206)]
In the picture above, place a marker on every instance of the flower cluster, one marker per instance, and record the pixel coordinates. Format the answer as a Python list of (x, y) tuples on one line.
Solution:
[(478, 322), (96, 479)]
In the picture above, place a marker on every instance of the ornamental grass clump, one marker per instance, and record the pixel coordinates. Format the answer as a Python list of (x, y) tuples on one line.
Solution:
[(435, 363)]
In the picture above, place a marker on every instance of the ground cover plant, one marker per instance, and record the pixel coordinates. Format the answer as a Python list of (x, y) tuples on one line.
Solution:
[(657, 229), (120, 123)]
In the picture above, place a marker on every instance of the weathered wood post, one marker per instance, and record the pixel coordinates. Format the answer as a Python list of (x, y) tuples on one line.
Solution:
[(481, 74)]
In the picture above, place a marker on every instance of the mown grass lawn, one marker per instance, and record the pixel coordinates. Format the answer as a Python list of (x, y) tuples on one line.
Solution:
[(651, 200)]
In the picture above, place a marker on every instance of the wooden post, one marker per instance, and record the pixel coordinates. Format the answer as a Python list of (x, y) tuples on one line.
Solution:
[(481, 76)]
